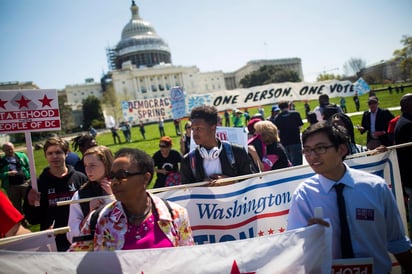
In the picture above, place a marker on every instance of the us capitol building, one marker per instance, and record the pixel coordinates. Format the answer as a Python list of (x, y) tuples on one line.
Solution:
[(140, 67)]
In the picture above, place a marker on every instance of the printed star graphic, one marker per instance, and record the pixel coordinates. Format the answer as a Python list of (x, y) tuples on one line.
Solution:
[(281, 229), (271, 231), (235, 269), (261, 233), (2, 103), (23, 102), (45, 101)]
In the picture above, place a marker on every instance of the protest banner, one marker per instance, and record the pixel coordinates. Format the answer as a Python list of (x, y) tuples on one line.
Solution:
[(29, 111), (37, 241), (150, 109), (252, 211), (305, 250), (177, 98), (259, 206)]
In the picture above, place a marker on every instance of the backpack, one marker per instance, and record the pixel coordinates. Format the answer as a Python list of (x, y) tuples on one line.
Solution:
[(173, 179), (268, 160), (229, 154)]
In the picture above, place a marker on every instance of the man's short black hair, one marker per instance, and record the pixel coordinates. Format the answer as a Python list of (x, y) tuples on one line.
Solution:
[(336, 134), (207, 113), (83, 141)]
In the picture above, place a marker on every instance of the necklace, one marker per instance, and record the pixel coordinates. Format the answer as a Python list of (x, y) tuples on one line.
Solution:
[(132, 218)]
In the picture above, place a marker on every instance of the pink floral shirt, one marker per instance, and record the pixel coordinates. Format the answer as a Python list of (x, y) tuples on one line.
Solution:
[(112, 226)]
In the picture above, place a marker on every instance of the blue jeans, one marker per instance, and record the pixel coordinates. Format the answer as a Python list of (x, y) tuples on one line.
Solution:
[(294, 153)]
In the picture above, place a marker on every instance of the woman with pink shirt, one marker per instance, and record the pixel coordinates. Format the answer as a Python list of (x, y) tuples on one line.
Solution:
[(138, 219)]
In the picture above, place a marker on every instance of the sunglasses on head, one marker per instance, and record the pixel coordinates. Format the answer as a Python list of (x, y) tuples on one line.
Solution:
[(123, 174)]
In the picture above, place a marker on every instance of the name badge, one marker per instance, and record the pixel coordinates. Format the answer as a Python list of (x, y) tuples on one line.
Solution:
[(366, 214)]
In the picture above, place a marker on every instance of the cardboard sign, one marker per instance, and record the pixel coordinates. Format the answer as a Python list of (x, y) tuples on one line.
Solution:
[(28, 111)]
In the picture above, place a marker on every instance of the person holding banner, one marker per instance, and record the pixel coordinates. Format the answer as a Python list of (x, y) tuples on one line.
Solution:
[(167, 161), (185, 140), (213, 158), (14, 174), (360, 206), (82, 143), (344, 120), (265, 147), (97, 161), (289, 124), (403, 135), (10, 218), (56, 183), (375, 122), (138, 219)]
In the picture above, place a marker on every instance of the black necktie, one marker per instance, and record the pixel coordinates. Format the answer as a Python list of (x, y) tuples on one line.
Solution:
[(345, 241)]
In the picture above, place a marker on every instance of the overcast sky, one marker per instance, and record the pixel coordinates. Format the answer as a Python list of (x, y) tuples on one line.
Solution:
[(58, 43)]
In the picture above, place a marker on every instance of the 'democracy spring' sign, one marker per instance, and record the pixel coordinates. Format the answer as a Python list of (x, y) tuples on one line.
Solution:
[(28, 111)]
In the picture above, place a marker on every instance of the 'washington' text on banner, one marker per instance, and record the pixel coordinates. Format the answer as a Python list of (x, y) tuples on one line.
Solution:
[(259, 206)]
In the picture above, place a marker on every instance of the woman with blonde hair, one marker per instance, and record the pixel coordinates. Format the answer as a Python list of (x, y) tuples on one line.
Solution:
[(97, 161), (265, 148)]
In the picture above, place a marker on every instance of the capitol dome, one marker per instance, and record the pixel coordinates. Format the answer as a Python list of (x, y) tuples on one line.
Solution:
[(140, 44)]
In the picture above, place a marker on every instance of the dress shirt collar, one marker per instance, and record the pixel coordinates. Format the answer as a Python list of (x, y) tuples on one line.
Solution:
[(327, 184)]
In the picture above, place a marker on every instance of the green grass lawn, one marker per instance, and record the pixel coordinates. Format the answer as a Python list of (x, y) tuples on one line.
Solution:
[(150, 145)]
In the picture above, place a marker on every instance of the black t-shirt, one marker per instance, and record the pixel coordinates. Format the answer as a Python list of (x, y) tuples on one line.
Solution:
[(54, 189), (169, 163), (288, 124)]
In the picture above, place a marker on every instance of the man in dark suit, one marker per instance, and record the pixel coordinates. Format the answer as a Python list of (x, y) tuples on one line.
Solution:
[(375, 122)]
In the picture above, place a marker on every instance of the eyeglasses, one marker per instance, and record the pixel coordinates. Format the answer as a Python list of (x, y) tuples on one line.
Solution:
[(317, 150), (123, 174), (162, 146)]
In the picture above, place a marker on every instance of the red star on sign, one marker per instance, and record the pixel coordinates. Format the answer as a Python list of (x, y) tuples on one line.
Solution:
[(23, 102), (235, 269), (2, 103), (261, 233), (281, 229), (45, 101), (270, 231)]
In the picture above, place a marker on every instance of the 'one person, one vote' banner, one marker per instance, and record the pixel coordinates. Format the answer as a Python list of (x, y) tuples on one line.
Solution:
[(151, 109)]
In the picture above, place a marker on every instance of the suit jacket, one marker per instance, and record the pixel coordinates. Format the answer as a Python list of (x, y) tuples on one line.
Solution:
[(403, 134), (383, 117)]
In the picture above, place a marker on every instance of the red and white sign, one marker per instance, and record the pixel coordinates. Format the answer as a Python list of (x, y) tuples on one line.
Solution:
[(29, 110)]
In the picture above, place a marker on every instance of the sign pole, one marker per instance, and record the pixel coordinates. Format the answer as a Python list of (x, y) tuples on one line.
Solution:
[(33, 177)]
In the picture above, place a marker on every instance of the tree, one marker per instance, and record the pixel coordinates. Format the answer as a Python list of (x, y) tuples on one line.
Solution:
[(328, 76), (92, 111), (111, 102), (353, 66), (404, 57), (66, 117), (269, 74)]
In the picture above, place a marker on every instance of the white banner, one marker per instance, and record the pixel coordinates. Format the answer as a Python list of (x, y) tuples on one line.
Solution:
[(253, 211), (152, 108), (39, 241), (259, 206), (305, 250)]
